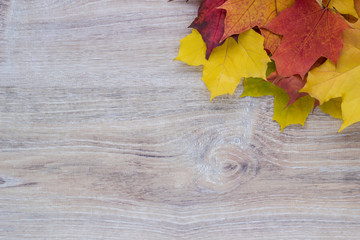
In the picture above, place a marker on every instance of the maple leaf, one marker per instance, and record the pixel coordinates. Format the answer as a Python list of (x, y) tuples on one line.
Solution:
[(342, 80), (192, 49), (309, 32), (343, 6), (210, 23), (285, 115), (271, 40), (332, 107), (228, 63), (291, 85), (243, 15), (357, 6)]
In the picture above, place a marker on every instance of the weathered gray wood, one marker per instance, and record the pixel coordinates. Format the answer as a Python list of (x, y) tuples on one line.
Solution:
[(103, 136)]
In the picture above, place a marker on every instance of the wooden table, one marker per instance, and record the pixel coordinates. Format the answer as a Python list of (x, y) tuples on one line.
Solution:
[(103, 136)]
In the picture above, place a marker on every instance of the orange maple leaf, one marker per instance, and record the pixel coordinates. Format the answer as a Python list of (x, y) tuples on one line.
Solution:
[(242, 15), (357, 6), (271, 41)]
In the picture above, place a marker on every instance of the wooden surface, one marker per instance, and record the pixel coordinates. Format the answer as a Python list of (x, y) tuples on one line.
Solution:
[(103, 136)]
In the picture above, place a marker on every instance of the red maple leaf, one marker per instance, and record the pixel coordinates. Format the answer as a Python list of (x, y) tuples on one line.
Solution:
[(210, 23), (309, 32), (291, 85)]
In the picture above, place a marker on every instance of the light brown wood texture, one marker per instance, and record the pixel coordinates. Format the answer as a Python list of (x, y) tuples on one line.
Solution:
[(103, 136)]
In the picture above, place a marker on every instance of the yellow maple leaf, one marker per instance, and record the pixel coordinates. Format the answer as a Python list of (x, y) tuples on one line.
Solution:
[(228, 63), (343, 80), (192, 49), (343, 6), (332, 107), (296, 113), (242, 15)]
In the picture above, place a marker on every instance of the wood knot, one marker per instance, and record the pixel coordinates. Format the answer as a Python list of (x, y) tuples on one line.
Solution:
[(2, 181), (224, 168)]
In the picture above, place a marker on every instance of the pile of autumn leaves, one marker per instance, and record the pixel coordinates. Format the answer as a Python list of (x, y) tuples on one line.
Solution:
[(306, 53)]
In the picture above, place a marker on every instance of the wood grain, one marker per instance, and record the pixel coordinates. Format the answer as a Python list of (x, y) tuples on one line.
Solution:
[(103, 136)]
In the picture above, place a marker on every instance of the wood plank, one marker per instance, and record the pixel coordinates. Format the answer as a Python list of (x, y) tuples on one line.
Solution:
[(103, 136)]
